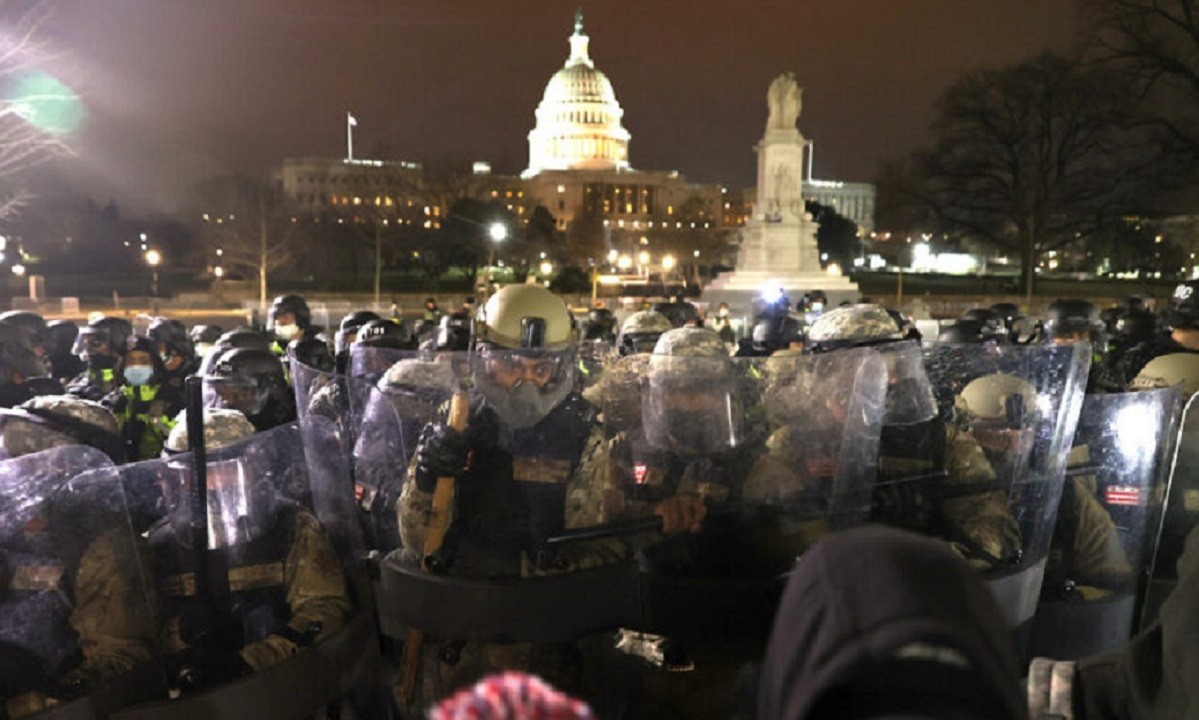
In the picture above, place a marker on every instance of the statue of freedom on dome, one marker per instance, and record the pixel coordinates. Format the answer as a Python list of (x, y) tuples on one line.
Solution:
[(785, 101)]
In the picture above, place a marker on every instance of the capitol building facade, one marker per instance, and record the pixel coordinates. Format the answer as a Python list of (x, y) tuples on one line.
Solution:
[(579, 169)]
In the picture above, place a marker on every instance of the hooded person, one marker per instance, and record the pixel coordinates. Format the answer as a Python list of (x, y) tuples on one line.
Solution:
[(879, 624)]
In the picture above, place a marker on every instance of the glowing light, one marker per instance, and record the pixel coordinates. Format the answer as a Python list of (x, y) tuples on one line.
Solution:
[(1136, 433), (547, 268), (498, 232), (153, 258), (643, 258), (833, 269), (218, 271), (612, 255), (668, 262), (18, 269), (624, 262), (46, 103)]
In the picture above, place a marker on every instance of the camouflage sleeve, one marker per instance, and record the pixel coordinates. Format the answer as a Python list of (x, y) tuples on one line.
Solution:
[(412, 512), (980, 518), (113, 612), (316, 592), (1098, 553), (593, 495)]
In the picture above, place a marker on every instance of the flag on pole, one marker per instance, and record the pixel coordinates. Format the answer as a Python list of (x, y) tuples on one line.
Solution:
[(353, 120)]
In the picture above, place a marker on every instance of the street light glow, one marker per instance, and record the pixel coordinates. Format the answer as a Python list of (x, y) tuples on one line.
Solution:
[(643, 258), (153, 258), (498, 232), (218, 271), (624, 262), (547, 268), (668, 262), (18, 269)]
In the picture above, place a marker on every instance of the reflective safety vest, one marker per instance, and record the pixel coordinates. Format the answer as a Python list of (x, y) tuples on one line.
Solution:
[(154, 430)]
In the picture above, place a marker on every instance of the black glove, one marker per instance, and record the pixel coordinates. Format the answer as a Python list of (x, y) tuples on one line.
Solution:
[(441, 452), (202, 624), (198, 667)]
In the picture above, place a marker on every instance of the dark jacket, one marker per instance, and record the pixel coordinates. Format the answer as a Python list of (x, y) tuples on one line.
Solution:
[(879, 623)]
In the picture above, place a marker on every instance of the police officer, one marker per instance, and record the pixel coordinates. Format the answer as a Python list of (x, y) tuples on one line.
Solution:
[(347, 333), (60, 338), (640, 332), (146, 405), (288, 319), (251, 380), (100, 345), (275, 583), (21, 370), (600, 325), (1181, 335), (174, 347), (203, 337)]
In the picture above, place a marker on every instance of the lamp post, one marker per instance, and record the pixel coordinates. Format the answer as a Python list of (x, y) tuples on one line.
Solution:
[(153, 258), (498, 232)]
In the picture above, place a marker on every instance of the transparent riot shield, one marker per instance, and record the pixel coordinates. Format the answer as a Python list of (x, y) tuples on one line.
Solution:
[(78, 636), (1102, 541), (319, 392), (502, 475), (594, 358), (400, 404), (260, 613), (986, 474), (778, 451), (371, 362), (1180, 513)]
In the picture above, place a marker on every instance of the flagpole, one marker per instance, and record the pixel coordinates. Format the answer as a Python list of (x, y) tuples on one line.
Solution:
[(349, 136)]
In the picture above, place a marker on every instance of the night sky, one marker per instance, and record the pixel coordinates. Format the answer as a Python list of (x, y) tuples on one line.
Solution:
[(183, 89)]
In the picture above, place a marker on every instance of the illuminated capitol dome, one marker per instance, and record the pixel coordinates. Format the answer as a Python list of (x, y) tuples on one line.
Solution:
[(578, 120)]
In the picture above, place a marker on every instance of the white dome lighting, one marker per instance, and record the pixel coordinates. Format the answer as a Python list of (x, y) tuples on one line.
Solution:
[(578, 120)]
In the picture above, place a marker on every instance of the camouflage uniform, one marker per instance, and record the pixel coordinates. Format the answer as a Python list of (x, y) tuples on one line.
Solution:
[(283, 588), (24, 437)]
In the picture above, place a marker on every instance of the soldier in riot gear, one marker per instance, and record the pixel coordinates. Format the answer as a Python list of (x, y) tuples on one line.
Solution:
[(51, 421), (1181, 336), (76, 613), (234, 339), (176, 350), (22, 371), (60, 338), (100, 345), (313, 353), (531, 462), (640, 332), (600, 325), (347, 333), (964, 332), (251, 381), (773, 333), (34, 326), (146, 404), (275, 583), (288, 319), (203, 338), (990, 318), (451, 334)]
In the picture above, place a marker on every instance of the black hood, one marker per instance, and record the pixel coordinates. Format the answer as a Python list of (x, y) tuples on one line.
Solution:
[(879, 623)]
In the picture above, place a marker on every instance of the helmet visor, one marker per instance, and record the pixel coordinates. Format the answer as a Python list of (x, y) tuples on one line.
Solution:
[(234, 394)]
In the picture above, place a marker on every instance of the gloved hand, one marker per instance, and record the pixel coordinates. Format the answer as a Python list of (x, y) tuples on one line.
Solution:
[(441, 452), (198, 667), (202, 624)]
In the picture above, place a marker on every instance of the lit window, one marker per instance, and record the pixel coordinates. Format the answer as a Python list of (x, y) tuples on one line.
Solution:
[(670, 209), (562, 189)]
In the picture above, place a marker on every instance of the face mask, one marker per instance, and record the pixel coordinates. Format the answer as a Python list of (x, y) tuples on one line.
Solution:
[(287, 333), (138, 374)]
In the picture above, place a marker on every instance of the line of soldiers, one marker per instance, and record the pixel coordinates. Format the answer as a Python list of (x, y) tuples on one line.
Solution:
[(646, 493)]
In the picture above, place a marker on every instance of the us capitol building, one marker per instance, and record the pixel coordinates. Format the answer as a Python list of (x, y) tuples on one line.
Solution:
[(579, 169)]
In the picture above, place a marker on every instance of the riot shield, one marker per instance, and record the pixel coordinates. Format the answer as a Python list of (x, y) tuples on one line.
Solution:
[(485, 552), (397, 408), (986, 474), (780, 450), (77, 622), (594, 358), (319, 392), (1180, 513), (371, 362), (1102, 541), (279, 628)]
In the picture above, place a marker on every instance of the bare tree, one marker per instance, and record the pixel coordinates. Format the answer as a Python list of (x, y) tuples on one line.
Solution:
[(23, 143), (1157, 42), (248, 223), (1038, 155)]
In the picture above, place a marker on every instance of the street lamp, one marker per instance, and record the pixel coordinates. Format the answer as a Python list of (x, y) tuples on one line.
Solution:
[(498, 232), (668, 263), (153, 258), (547, 268)]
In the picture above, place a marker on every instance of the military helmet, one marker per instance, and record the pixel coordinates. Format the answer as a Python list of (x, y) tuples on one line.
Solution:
[(998, 398), (1184, 306), (172, 335), (1135, 326), (690, 342), (206, 334), (525, 316), (245, 379), (985, 316), (60, 336), (853, 326), (776, 332), (222, 428), (243, 338), (347, 331), (312, 353), (640, 332), (33, 324), (418, 373), (1168, 371), (17, 354), (294, 304), (601, 316), (104, 331), (966, 332), (50, 421), (1008, 312), (1072, 316), (382, 334)]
